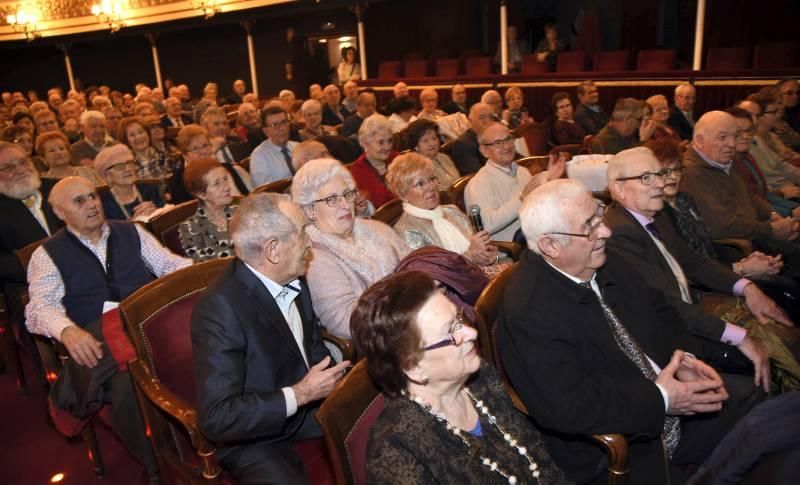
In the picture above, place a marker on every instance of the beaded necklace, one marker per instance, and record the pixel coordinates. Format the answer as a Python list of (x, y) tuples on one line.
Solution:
[(507, 437)]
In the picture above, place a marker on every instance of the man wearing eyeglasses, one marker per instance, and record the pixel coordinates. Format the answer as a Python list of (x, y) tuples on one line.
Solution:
[(646, 237), (272, 159), (591, 348), (681, 115), (788, 125), (624, 130), (466, 154), (498, 185)]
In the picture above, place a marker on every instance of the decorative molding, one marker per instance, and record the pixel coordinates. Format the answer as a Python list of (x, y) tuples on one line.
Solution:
[(67, 17)]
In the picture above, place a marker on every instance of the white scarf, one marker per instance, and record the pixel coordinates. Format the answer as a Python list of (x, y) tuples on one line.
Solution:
[(452, 238)]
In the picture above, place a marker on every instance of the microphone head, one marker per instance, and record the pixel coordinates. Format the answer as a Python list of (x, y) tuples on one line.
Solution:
[(474, 210)]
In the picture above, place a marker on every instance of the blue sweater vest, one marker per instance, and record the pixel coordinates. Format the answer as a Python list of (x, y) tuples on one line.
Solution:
[(87, 284)]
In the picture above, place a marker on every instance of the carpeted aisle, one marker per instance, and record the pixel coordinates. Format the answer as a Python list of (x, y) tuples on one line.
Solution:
[(32, 452)]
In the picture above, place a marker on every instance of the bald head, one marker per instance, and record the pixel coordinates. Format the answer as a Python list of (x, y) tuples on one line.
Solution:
[(400, 89), (715, 136), (493, 99), (307, 151), (685, 97), (75, 202)]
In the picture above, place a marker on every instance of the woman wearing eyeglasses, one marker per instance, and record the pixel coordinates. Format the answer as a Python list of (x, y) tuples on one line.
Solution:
[(447, 418), (150, 162), (194, 143), (125, 199), (349, 253), (427, 223)]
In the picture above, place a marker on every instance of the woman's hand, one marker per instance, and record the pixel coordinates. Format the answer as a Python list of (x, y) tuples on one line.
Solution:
[(646, 130), (143, 210), (480, 250), (556, 165)]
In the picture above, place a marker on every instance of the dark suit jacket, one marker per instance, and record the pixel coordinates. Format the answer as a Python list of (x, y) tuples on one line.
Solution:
[(167, 123), (330, 118), (244, 354), (679, 123), (466, 153), (633, 242), (18, 228), (560, 355), (351, 125), (591, 121), (451, 107)]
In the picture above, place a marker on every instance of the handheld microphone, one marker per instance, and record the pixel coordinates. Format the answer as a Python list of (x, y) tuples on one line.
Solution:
[(475, 217)]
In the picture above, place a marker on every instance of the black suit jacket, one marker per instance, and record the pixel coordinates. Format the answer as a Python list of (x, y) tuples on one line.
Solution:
[(18, 228), (244, 354), (166, 122), (466, 153), (451, 107), (560, 355), (633, 242), (679, 123)]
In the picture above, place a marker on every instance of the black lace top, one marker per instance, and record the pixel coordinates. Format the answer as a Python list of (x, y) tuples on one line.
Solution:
[(691, 227)]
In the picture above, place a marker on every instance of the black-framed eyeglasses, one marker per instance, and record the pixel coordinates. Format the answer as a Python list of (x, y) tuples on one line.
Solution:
[(592, 225), (333, 200), (277, 124), (456, 327), (647, 178), (498, 143)]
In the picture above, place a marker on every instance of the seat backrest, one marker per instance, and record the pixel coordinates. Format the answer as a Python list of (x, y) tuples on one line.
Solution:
[(535, 135), (389, 212), (389, 69), (24, 253), (776, 56), (448, 67), (535, 164), (478, 66), (571, 61), (168, 222), (487, 308), (531, 65), (726, 58), (346, 418), (416, 68), (655, 60), (610, 61), (457, 190), (245, 163), (276, 187)]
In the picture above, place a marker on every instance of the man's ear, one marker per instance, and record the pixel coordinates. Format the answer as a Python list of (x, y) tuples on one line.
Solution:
[(548, 247), (58, 212), (616, 190), (482, 149), (270, 251)]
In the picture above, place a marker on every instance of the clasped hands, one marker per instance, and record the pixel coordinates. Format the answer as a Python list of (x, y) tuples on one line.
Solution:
[(692, 386)]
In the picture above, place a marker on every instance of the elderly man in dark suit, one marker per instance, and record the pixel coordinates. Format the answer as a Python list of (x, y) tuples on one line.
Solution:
[(681, 115), (466, 153), (646, 238), (591, 348), (260, 363)]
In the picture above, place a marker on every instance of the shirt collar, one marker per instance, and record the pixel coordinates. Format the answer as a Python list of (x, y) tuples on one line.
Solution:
[(641, 219), (104, 232), (569, 276), (724, 167), (511, 170), (275, 289)]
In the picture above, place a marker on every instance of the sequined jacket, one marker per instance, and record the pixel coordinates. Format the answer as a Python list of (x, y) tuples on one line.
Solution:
[(202, 240), (409, 445), (419, 233)]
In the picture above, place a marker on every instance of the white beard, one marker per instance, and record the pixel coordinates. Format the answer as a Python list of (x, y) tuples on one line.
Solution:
[(21, 189)]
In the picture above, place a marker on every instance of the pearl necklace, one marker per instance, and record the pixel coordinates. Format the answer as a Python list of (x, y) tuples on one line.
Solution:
[(507, 437)]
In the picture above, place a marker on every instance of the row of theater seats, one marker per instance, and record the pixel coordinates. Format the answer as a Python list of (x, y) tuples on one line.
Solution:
[(764, 57)]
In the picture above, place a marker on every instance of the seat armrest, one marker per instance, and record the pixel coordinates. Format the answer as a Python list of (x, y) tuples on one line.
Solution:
[(509, 248), (345, 345)]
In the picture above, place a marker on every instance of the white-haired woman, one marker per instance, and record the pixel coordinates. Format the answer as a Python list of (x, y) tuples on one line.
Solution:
[(125, 199), (311, 110), (349, 253), (369, 170)]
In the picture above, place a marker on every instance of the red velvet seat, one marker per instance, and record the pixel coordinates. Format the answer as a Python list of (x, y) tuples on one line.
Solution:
[(158, 319), (389, 69), (531, 65), (478, 66), (776, 56), (448, 67), (726, 59), (571, 61), (416, 68), (611, 61), (655, 60), (535, 135)]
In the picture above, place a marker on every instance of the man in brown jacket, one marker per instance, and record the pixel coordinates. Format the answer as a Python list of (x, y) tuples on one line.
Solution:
[(724, 202)]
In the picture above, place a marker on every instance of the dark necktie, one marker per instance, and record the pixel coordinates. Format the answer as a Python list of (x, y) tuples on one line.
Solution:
[(651, 228), (287, 157), (672, 425)]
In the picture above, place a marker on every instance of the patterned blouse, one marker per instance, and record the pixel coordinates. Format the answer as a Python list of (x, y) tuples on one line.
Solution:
[(202, 240), (444, 169), (157, 164)]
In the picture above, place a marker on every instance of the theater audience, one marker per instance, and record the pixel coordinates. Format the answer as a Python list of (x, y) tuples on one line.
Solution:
[(493, 99), (365, 107), (517, 49), (369, 170), (71, 279), (548, 48), (516, 113), (206, 235), (427, 223), (333, 113), (150, 162), (312, 115), (624, 130), (429, 101), (248, 126), (306, 151), (125, 199), (767, 148), (660, 115), (227, 150), (194, 143), (239, 90), (93, 127), (350, 89), (211, 93), (589, 114), (174, 118), (787, 91), (272, 159), (349, 253), (45, 121), (629, 357), (21, 137), (275, 365), (446, 410), (24, 120), (422, 136), (565, 130), (466, 153), (53, 150), (681, 115), (458, 101), (403, 110)]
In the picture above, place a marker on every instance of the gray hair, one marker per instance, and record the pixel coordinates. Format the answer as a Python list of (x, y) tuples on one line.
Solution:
[(91, 115), (307, 104), (543, 210), (617, 165), (214, 111), (372, 126), (305, 151), (490, 94), (625, 107), (258, 220), (315, 174), (683, 87)]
